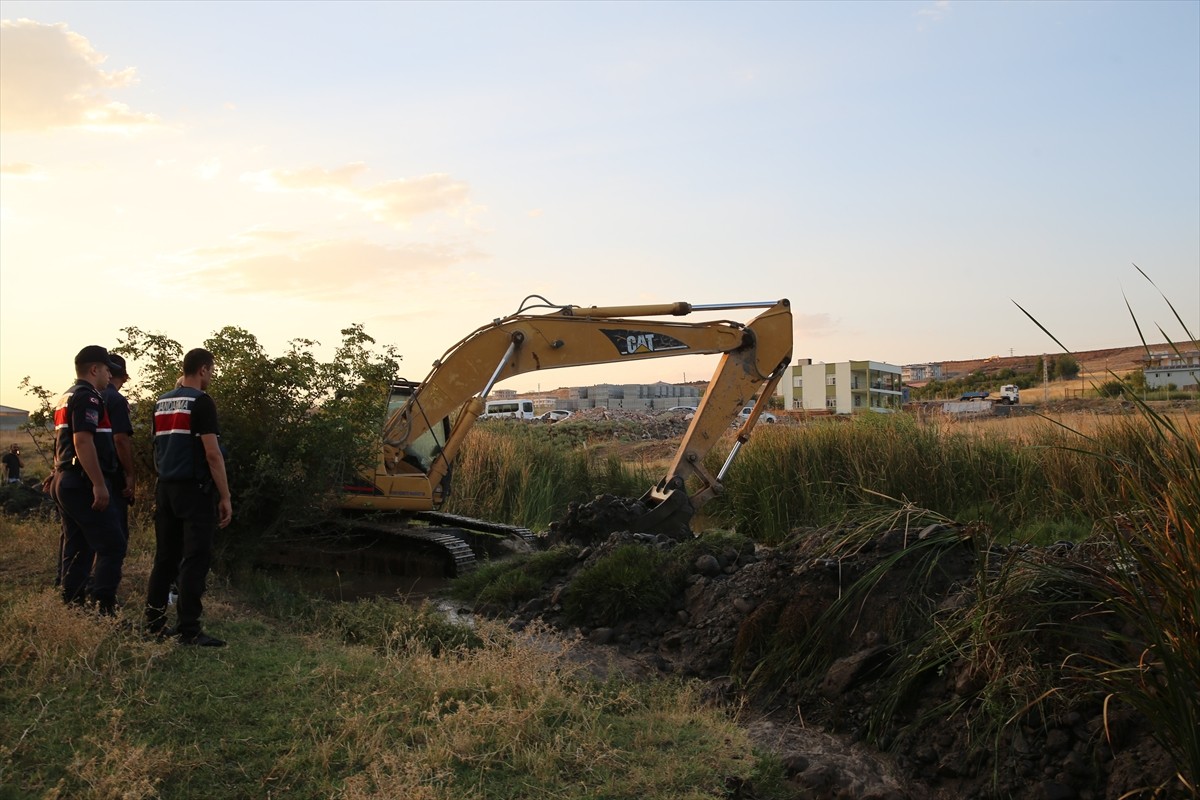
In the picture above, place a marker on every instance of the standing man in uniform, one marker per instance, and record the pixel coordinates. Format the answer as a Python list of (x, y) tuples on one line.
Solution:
[(122, 433), (13, 464), (93, 545), (192, 500)]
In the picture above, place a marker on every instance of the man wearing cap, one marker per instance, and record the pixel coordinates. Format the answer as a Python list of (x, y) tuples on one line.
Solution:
[(122, 435), (93, 544)]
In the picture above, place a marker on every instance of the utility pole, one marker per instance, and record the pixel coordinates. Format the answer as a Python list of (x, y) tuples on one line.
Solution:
[(1045, 380)]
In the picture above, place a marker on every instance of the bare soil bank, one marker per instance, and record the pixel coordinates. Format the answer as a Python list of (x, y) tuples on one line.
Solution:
[(725, 627)]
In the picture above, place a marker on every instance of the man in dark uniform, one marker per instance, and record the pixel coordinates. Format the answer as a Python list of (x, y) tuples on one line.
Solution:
[(13, 464), (122, 433), (93, 545), (192, 499)]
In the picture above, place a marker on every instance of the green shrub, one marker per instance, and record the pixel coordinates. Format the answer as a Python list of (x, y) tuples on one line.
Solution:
[(513, 579), (631, 580)]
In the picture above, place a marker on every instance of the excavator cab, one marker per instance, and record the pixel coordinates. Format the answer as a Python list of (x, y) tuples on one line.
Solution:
[(400, 479)]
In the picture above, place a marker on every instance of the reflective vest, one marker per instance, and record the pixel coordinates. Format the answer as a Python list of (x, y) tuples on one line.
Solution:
[(81, 409), (178, 452)]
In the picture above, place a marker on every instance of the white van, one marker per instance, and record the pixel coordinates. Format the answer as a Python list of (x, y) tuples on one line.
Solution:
[(508, 409)]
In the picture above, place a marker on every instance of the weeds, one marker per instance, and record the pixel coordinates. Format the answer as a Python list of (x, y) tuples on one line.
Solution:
[(371, 699)]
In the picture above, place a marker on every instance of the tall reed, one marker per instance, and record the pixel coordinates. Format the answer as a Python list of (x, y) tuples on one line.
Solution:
[(518, 474), (822, 472)]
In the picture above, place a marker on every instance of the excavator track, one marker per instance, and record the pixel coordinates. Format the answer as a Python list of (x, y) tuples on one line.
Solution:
[(460, 556), (478, 525)]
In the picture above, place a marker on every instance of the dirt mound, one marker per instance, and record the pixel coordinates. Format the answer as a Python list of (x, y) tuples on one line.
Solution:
[(585, 524), (808, 637)]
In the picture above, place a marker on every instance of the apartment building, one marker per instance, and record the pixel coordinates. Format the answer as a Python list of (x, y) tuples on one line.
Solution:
[(844, 387)]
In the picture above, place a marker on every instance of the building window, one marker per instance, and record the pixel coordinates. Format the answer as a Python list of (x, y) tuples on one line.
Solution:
[(797, 383), (831, 380), (831, 403)]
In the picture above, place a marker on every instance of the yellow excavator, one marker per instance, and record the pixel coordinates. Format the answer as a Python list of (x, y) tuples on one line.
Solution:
[(428, 422)]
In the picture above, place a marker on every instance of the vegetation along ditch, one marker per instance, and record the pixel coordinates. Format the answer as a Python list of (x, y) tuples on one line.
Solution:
[(884, 607)]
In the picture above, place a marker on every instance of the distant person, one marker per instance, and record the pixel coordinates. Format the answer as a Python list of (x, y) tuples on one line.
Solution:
[(122, 477), (192, 499), (93, 544), (13, 464)]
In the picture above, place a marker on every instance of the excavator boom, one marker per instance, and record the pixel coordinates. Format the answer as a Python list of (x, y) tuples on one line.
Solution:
[(419, 443)]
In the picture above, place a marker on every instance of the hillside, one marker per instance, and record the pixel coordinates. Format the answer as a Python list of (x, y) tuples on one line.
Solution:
[(1092, 362)]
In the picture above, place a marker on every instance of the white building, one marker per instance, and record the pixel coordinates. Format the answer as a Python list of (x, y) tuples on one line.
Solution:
[(1181, 369), (910, 373), (845, 387)]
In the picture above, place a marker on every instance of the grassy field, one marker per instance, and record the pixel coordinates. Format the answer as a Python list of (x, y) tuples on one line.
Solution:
[(377, 698), (372, 699)]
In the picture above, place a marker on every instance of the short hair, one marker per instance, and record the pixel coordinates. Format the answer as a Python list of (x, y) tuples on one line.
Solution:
[(195, 359)]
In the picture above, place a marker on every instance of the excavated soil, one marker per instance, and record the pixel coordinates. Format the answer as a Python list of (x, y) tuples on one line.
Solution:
[(819, 723)]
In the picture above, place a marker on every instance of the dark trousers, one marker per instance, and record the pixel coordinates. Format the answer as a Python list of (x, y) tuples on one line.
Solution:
[(185, 523), (120, 502), (92, 545)]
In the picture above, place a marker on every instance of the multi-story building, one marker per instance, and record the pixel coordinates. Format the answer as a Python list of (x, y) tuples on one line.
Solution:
[(845, 387), (917, 373), (1181, 369)]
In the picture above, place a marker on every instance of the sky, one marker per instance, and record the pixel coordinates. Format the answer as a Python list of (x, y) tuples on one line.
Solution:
[(903, 172)]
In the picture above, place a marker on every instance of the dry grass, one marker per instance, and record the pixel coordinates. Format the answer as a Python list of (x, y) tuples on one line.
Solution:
[(371, 699)]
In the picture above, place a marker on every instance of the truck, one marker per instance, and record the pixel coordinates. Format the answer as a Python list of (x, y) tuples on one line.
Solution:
[(1009, 395), (427, 423)]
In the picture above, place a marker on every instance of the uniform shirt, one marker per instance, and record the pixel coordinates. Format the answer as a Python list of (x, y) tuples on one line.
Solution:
[(81, 410), (13, 462), (118, 414), (181, 417)]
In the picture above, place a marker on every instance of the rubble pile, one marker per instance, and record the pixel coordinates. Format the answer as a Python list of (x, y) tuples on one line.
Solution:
[(631, 423), (585, 524)]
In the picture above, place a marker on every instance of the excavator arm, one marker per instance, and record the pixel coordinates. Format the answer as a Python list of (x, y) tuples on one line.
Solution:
[(753, 357)]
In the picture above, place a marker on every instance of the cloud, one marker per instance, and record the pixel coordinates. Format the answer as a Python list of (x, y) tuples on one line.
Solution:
[(324, 269), (936, 11), (208, 169), (395, 202), (815, 325), (22, 170), (258, 233), (50, 77)]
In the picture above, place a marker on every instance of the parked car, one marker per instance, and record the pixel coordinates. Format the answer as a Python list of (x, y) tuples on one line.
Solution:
[(556, 415), (681, 410), (765, 416)]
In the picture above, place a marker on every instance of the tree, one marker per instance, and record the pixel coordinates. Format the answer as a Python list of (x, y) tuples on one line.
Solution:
[(292, 427), (1066, 367)]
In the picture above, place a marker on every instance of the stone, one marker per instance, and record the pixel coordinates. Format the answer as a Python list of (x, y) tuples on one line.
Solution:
[(601, 636), (846, 672)]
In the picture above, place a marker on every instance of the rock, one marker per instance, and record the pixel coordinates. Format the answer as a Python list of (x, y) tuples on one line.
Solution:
[(743, 605), (708, 565), (1058, 740), (794, 763), (846, 672), (601, 636), (1052, 790)]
